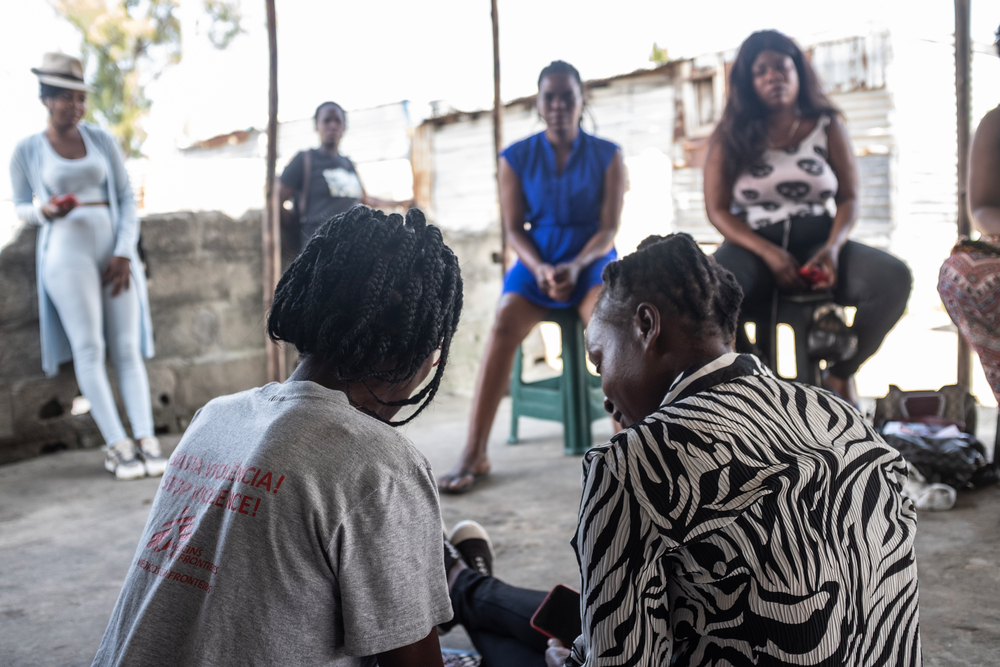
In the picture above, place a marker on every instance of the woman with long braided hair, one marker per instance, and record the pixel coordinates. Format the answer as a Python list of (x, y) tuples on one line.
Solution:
[(561, 195), (299, 500)]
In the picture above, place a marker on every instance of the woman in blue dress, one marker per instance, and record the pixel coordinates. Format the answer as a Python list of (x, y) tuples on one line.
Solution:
[(561, 199)]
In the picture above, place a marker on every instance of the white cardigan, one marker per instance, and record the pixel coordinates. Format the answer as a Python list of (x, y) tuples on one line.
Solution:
[(29, 195)]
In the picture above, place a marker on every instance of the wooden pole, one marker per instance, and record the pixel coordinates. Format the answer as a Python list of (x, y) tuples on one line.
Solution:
[(270, 216), (498, 128), (963, 54)]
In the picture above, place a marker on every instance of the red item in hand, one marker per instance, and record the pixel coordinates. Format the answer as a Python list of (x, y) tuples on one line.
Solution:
[(68, 202), (813, 274)]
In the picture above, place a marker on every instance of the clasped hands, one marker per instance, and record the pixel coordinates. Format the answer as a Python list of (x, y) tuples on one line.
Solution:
[(559, 281)]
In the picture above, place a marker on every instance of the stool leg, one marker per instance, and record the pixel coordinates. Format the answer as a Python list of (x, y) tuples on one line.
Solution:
[(576, 421), (515, 395), (765, 342), (803, 363), (996, 438), (799, 317)]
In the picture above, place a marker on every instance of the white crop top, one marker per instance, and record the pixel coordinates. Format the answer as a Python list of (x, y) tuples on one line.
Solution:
[(788, 182), (86, 177)]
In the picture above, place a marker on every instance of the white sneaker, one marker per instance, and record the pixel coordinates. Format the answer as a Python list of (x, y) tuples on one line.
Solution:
[(121, 461), (149, 453), (472, 541)]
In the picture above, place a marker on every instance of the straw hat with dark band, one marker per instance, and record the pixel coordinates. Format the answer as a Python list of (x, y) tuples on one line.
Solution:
[(61, 71)]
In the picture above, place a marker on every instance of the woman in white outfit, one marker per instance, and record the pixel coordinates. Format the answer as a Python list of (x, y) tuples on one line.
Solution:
[(91, 287)]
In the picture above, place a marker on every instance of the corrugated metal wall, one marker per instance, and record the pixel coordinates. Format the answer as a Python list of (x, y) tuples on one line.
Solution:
[(868, 116), (372, 135), (464, 187)]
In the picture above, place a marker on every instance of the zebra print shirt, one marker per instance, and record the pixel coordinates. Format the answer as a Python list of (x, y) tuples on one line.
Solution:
[(749, 521)]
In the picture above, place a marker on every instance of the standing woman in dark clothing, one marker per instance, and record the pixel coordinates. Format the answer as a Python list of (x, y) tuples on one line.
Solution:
[(777, 158), (561, 199), (334, 186)]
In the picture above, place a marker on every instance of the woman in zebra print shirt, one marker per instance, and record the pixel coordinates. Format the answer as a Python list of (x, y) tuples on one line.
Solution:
[(741, 519)]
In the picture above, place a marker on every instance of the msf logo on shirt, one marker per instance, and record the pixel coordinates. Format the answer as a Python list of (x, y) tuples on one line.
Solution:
[(174, 533)]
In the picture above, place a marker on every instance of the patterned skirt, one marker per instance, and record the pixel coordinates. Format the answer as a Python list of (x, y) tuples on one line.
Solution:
[(969, 285)]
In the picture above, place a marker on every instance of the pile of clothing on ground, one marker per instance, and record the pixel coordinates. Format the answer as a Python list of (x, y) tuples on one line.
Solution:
[(935, 433)]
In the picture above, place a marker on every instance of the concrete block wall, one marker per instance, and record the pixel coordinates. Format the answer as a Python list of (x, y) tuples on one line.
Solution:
[(208, 326), (205, 299), (482, 282)]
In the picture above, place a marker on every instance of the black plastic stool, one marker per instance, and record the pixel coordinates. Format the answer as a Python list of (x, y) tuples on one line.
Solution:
[(795, 310)]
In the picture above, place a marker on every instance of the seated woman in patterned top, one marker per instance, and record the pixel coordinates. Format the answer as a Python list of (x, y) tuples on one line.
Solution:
[(778, 158), (969, 282), (740, 519)]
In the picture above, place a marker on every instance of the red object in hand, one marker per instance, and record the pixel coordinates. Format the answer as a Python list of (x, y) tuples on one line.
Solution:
[(68, 202), (813, 274)]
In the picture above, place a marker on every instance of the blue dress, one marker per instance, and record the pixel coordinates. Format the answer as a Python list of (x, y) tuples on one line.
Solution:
[(564, 210)]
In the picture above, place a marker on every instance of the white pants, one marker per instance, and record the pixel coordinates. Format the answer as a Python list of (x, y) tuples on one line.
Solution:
[(80, 247)]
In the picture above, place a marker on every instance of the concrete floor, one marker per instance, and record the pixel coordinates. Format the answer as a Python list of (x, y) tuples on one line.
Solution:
[(68, 533)]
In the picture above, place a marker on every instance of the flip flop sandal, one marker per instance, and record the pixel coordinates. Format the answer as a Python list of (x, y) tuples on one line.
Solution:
[(455, 491)]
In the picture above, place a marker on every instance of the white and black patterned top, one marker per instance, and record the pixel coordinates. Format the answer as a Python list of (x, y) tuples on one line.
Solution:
[(749, 521), (789, 182)]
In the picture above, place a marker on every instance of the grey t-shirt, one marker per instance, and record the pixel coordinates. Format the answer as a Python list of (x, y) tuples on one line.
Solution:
[(289, 529)]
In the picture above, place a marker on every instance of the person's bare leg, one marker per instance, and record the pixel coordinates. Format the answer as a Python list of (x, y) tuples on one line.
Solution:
[(586, 310), (588, 303), (515, 318)]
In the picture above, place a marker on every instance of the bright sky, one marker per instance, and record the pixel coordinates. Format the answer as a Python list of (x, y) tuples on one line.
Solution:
[(362, 54)]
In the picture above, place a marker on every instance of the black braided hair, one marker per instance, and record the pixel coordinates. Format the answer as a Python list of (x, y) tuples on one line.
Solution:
[(370, 291), (330, 104), (674, 274)]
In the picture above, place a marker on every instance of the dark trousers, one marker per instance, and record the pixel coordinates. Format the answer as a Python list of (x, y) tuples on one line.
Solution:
[(497, 617), (873, 281)]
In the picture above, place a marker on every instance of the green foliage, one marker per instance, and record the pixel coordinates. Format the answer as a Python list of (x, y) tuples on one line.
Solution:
[(659, 56), (226, 19), (127, 44)]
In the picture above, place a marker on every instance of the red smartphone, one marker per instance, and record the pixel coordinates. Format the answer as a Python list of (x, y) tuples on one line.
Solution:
[(813, 274), (559, 615), (68, 202)]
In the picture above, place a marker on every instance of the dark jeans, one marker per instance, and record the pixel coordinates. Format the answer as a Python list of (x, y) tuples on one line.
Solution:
[(874, 282), (497, 617)]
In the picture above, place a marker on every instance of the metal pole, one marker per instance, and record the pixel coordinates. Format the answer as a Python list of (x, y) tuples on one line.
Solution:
[(270, 218), (498, 127), (963, 52)]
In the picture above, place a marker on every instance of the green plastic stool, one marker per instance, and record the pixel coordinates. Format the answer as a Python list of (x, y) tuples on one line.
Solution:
[(575, 398)]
